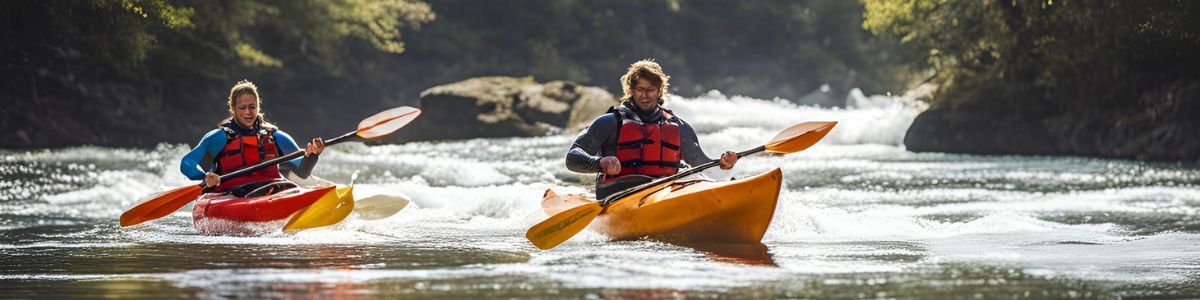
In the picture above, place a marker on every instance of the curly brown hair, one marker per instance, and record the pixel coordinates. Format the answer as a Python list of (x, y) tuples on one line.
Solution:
[(650, 70)]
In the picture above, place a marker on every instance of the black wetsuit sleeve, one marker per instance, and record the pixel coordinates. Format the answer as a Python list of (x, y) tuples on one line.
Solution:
[(306, 166), (690, 150), (584, 155), (285, 144)]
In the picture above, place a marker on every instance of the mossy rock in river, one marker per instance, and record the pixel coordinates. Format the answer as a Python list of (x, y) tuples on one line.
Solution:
[(501, 106)]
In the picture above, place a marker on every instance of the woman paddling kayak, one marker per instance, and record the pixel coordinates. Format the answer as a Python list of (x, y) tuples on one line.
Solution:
[(245, 139), (246, 144)]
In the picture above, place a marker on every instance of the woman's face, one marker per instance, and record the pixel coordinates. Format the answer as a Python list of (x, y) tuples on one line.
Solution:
[(245, 110)]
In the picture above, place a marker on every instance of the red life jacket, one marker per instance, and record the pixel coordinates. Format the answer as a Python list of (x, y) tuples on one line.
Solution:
[(241, 151), (647, 149)]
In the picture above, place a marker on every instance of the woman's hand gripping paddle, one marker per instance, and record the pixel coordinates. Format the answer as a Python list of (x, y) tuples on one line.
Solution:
[(562, 226)]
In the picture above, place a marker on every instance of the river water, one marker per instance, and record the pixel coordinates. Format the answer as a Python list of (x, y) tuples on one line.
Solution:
[(859, 217)]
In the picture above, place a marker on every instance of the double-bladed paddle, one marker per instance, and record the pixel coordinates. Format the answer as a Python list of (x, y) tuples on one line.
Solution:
[(165, 203), (562, 226)]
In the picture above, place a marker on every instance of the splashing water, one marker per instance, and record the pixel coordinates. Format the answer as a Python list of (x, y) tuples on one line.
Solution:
[(859, 217)]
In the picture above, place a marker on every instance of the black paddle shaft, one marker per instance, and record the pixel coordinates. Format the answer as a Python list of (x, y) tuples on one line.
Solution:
[(693, 170), (277, 160)]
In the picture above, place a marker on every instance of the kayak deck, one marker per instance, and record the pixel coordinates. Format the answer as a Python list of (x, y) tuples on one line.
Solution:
[(729, 212), (223, 214), (736, 212)]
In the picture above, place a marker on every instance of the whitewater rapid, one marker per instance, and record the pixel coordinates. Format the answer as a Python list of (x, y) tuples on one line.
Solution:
[(857, 203)]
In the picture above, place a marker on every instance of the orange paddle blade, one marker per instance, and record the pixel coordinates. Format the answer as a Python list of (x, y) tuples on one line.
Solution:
[(386, 122), (799, 137), (553, 204), (160, 205)]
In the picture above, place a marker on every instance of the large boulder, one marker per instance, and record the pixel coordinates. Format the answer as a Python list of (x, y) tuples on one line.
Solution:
[(503, 106), (1160, 128)]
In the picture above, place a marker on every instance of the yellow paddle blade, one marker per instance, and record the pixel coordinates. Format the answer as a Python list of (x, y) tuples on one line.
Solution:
[(799, 137), (386, 122), (160, 205), (379, 206), (561, 227), (332, 208)]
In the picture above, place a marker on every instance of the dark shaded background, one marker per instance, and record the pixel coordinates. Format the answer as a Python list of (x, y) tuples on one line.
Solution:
[(1099, 78)]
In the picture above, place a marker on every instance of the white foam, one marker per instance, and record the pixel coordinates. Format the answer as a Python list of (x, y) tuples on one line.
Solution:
[(834, 214), (865, 120), (858, 187)]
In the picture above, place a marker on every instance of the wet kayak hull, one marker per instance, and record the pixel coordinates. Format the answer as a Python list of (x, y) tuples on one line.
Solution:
[(220, 214), (730, 212)]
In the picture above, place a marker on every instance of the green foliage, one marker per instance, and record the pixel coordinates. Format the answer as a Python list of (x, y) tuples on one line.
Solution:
[(270, 33), (104, 67), (175, 17), (160, 61), (1050, 55), (257, 33), (756, 48)]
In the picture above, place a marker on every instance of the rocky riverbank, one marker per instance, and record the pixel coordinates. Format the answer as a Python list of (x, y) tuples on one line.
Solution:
[(1163, 127)]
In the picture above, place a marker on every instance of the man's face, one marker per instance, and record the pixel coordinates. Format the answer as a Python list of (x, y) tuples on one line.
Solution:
[(646, 94)]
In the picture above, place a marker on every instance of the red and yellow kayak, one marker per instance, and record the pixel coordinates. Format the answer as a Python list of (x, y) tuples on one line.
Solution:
[(729, 212), (222, 214)]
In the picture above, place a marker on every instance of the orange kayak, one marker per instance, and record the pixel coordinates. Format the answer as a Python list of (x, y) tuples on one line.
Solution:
[(229, 215), (729, 212)]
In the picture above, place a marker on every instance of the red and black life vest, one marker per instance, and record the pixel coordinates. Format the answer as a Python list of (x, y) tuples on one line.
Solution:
[(647, 149), (241, 151)]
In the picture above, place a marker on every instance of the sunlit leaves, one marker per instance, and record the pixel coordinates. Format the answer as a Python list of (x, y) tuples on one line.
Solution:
[(268, 33), (251, 56), (1021, 52)]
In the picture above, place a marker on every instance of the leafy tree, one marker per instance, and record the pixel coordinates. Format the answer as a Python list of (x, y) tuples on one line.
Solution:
[(761, 48), (1042, 54), (109, 67), (1096, 78)]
